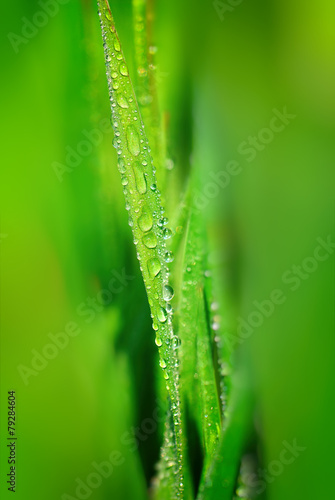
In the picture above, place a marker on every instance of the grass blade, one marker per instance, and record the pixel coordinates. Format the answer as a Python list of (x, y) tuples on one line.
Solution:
[(146, 84), (220, 478), (146, 217), (199, 388)]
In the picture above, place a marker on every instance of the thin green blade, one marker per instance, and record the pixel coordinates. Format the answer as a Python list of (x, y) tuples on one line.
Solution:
[(146, 217)]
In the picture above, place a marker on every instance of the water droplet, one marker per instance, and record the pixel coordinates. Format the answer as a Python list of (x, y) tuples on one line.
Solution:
[(145, 222), (154, 266), (145, 100), (176, 342), (133, 141), (242, 492), (225, 369), (122, 101), (169, 164), (153, 187), (168, 292), (123, 69), (167, 233), (124, 180), (114, 74), (162, 363), (166, 375), (158, 341), (121, 165), (169, 257), (141, 183), (162, 315), (152, 49), (150, 240), (142, 72), (117, 45), (108, 14)]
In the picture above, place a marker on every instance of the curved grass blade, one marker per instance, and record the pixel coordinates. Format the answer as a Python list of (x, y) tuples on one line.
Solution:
[(164, 482), (220, 478), (146, 82), (199, 387), (220, 318), (210, 406), (146, 218), (194, 323)]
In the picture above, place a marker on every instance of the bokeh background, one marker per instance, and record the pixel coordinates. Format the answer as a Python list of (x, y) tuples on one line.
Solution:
[(222, 67)]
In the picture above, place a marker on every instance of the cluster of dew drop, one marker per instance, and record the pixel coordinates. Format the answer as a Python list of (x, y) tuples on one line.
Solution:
[(190, 281), (223, 365), (166, 468), (148, 223)]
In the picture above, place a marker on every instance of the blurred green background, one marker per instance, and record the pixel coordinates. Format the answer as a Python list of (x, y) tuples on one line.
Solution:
[(222, 71)]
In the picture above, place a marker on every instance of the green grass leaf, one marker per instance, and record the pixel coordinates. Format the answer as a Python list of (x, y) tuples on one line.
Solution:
[(146, 218), (146, 83), (199, 387), (220, 478)]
